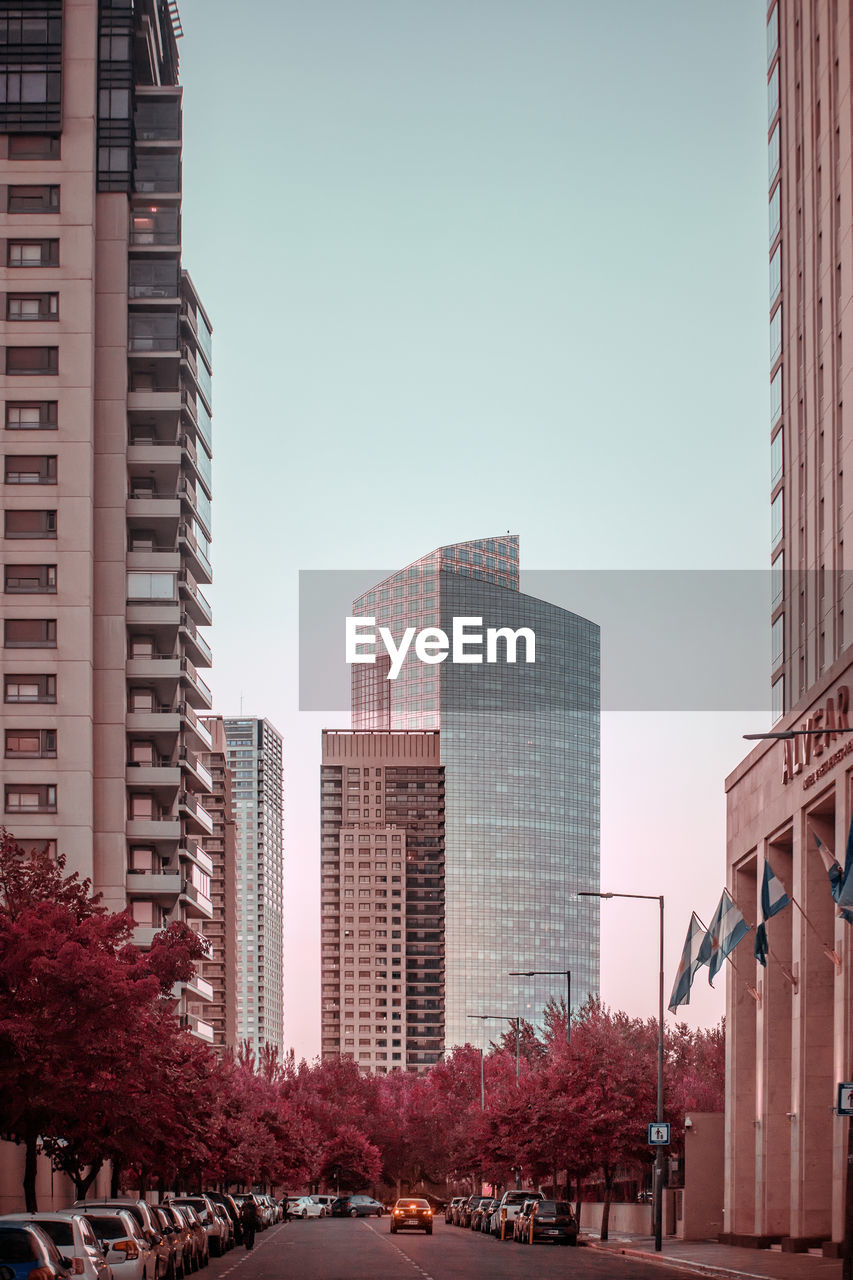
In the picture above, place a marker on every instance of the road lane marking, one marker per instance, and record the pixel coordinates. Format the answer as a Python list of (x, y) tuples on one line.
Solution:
[(386, 1236), (248, 1253)]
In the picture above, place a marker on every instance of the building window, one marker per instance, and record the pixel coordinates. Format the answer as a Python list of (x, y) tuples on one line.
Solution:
[(777, 460), (30, 469), (151, 586), (775, 273), (776, 397), (33, 253), (114, 104), (29, 688), (30, 85), (142, 807), (32, 199), (29, 579), (142, 860), (141, 700), (775, 211), (30, 524), (777, 581), (36, 744), (38, 415), (32, 306), (29, 633), (20, 27), (34, 798), (32, 361), (777, 518), (773, 94), (776, 334), (34, 146), (777, 642), (777, 700), (142, 910), (773, 153), (772, 34)]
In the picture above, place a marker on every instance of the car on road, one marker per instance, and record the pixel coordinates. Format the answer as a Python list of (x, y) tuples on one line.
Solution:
[(363, 1207), (412, 1214), (450, 1206), (73, 1237), (26, 1250), (511, 1202), (305, 1207), (143, 1215), (327, 1202), (130, 1255), (550, 1220)]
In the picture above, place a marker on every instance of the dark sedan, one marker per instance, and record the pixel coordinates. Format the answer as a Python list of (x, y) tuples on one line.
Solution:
[(413, 1214), (359, 1207), (547, 1220)]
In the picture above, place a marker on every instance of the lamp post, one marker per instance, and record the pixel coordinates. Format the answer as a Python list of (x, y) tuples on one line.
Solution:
[(658, 1205), (500, 1017), (532, 973)]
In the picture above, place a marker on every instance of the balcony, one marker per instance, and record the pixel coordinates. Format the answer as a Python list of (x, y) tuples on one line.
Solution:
[(153, 777), (165, 720), (196, 726), (195, 603), (193, 852), (162, 887), (195, 644), (195, 988), (196, 691), (157, 830), (195, 902), (199, 776), (195, 554), (196, 817), (197, 1027), (161, 512)]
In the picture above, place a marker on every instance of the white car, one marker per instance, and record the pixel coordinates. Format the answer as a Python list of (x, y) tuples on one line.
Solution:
[(73, 1237), (307, 1207), (215, 1229), (127, 1251), (327, 1202)]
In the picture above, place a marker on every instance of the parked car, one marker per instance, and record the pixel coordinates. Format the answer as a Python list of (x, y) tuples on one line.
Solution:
[(143, 1215), (130, 1255), (327, 1202), (227, 1225), (413, 1214), (480, 1215), (363, 1207), (305, 1207), (214, 1229), (200, 1249), (463, 1215), (179, 1240), (450, 1206), (512, 1202), (551, 1220), (229, 1204), (74, 1239), (26, 1250)]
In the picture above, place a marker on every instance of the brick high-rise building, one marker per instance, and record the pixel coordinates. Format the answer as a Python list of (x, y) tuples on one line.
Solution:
[(788, 1028), (382, 831), (106, 386)]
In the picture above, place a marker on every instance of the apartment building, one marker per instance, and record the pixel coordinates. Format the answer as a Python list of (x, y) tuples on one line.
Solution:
[(106, 388)]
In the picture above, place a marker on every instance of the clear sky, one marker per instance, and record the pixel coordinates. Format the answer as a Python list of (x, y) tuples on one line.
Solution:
[(477, 265)]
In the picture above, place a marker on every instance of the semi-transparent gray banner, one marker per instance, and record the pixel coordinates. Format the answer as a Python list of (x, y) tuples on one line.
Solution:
[(671, 640)]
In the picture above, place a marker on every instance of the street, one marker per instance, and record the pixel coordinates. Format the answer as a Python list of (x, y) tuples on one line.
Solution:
[(364, 1249)]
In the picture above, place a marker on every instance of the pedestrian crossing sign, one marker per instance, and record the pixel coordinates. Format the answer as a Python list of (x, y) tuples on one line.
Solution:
[(659, 1134)]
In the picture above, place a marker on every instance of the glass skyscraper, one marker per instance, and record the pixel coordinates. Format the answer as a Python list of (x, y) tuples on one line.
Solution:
[(520, 748)]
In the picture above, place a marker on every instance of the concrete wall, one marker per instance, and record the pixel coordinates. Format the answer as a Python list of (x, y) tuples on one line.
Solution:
[(630, 1219), (53, 1190), (699, 1207)]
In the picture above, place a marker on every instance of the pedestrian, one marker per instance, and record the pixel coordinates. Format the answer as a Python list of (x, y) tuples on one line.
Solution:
[(249, 1222)]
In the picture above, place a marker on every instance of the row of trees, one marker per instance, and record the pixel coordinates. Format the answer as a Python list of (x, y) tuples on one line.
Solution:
[(95, 1069)]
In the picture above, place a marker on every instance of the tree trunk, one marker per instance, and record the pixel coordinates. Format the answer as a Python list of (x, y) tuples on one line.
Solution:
[(82, 1182), (605, 1213), (115, 1181), (30, 1166)]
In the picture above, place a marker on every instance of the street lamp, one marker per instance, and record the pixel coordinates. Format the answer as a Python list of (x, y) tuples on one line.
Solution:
[(501, 1017), (532, 973), (658, 1207)]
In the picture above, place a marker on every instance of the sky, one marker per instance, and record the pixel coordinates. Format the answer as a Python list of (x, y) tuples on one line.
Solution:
[(478, 265)]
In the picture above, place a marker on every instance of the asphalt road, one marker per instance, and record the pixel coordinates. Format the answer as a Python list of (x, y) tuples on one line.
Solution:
[(363, 1249)]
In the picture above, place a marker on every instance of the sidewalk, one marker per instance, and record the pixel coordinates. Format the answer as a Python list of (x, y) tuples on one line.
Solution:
[(707, 1258)]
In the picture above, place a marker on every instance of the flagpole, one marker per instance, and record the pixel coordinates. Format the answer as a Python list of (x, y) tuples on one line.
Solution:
[(829, 951)]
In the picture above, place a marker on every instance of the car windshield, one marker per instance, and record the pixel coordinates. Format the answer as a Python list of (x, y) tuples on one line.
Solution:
[(108, 1228), (16, 1246), (517, 1197), (59, 1230)]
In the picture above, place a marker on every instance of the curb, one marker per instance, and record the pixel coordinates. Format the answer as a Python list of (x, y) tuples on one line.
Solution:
[(678, 1264)]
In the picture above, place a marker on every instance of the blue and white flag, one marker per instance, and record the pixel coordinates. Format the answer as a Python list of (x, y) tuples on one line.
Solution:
[(773, 896), (845, 893), (725, 931), (836, 875), (761, 946), (690, 962)]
